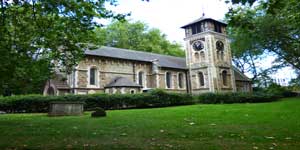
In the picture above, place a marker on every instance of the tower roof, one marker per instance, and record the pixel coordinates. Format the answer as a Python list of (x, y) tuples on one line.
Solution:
[(203, 18)]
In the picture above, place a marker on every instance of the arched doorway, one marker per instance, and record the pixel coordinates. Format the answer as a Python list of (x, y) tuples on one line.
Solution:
[(50, 91)]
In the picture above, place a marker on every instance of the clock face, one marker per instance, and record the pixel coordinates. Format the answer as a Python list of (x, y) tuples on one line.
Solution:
[(220, 46), (197, 46)]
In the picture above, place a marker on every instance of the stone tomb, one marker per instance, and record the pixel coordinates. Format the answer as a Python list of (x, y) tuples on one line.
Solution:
[(66, 108)]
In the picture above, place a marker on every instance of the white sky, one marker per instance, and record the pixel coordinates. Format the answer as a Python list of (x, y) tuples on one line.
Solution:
[(170, 15)]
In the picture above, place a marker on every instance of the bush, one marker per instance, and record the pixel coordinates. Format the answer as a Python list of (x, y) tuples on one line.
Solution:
[(280, 91), (229, 98), (155, 98), (39, 103), (99, 112)]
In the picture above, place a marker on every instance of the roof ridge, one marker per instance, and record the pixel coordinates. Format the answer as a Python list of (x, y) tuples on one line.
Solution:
[(138, 51), (203, 18)]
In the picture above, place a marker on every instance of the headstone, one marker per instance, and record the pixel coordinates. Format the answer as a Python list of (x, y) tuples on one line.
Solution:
[(2, 112), (66, 108)]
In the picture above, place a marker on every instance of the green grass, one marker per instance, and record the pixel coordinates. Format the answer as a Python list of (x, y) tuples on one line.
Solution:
[(234, 126)]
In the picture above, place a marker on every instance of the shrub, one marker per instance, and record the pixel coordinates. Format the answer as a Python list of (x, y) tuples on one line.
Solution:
[(99, 112), (228, 98), (39, 103), (155, 98)]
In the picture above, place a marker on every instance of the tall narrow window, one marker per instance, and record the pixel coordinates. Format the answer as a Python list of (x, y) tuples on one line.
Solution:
[(202, 56), (93, 76), (198, 26), (201, 79), (197, 57), (168, 80), (194, 29), (220, 50), (222, 55), (141, 78), (224, 77), (50, 91), (180, 80)]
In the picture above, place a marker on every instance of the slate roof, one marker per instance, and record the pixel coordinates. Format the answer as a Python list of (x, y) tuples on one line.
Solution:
[(239, 76), (122, 82), (202, 19), (163, 60)]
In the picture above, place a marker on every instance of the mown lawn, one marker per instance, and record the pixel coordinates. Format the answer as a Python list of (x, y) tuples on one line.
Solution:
[(273, 125)]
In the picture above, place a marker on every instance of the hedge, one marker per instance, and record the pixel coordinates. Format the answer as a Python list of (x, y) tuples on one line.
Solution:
[(156, 98), (229, 98), (39, 103)]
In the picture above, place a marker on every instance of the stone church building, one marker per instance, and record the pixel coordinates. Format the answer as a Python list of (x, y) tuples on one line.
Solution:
[(206, 68)]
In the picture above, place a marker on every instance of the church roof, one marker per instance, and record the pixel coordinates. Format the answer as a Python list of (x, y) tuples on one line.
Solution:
[(122, 82), (202, 19), (239, 76), (163, 60)]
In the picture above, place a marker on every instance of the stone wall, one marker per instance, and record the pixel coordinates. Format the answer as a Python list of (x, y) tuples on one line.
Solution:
[(211, 64), (122, 90), (195, 80), (175, 80), (109, 68), (242, 86)]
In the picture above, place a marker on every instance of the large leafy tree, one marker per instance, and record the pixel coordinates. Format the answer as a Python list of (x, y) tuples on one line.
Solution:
[(36, 34), (137, 36), (268, 27)]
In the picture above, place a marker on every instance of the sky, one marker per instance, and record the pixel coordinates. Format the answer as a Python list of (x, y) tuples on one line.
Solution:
[(170, 15)]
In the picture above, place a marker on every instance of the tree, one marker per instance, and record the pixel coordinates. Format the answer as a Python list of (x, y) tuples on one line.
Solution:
[(268, 28), (137, 36), (295, 83), (36, 34), (271, 26)]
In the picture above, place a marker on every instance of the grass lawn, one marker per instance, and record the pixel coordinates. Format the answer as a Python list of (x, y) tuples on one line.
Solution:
[(273, 125)]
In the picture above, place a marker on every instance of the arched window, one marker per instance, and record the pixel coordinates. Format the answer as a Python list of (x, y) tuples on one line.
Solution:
[(132, 91), (202, 56), (141, 78), (224, 77), (180, 80), (201, 79), (93, 76), (50, 91), (169, 80), (220, 50), (220, 46), (197, 57)]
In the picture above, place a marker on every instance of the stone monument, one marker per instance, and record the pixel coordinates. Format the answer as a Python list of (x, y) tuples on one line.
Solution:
[(66, 108)]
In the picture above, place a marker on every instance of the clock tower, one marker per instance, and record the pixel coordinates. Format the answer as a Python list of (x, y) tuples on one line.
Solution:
[(208, 56)]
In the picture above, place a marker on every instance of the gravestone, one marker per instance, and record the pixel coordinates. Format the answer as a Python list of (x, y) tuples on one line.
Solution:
[(66, 108), (2, 112)]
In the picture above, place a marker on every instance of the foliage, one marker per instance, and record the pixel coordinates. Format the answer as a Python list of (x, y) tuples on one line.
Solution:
[(241, 1), (156, 98), (38, 103), (228, 98), (137, 36), (209, 127), (295, 83), (99, 112), (271, 26), (36, 35), (280, 91)]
